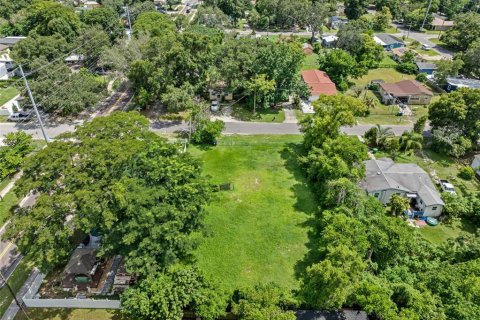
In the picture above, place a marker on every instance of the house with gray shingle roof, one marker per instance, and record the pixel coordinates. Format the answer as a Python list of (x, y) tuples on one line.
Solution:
[(384, 178)]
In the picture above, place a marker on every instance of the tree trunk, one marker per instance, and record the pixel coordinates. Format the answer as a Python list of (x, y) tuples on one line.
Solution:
[(254, 101)]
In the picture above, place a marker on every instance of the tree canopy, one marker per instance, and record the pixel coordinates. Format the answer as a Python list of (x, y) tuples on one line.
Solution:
[(115, 176)]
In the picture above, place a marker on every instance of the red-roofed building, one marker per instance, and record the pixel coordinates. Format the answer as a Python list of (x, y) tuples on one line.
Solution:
[(319, 83)]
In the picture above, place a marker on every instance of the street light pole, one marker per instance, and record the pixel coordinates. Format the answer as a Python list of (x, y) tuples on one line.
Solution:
[(34, 104)]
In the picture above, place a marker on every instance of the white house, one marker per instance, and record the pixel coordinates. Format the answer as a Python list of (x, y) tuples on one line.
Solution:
[(385, 178)]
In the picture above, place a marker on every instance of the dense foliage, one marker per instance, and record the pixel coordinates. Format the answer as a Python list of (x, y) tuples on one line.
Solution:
[(361, 256), (16, 146), (115, 176), (454, 121)]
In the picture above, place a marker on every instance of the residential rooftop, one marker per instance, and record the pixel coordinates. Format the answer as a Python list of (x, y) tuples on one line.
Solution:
[(384, 173), (405, 88)]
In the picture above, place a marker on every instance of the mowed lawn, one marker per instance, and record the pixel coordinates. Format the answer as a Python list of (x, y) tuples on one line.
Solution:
[(257, 231)]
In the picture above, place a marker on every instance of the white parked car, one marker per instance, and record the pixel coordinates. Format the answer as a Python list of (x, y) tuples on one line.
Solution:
[(447, 187), (426, 47), (19, 116), (215, 106)]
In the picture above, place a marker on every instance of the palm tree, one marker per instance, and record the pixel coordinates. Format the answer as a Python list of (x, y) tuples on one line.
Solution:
[(410, 141), (382, 135), (370, 102)]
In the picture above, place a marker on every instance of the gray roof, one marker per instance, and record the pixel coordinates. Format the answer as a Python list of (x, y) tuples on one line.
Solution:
[(467, 83), (426, 65), (81, 261), (385, 174), (10, 41), (331, 315), (388, 39)]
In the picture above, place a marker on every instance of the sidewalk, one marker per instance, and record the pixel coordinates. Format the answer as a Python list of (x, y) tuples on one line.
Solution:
[(10, 185), (13, 308)]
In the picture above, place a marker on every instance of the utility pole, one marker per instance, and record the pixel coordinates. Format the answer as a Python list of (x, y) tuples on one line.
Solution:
[(34, 104), (129, 23), (426, 14), (14, 296)]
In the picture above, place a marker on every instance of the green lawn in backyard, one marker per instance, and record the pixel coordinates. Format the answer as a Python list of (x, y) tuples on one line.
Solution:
[(258, 231), (387, 62), (310, 62), (241, 112), (71, 314), (16, 281), (385, 74), (442, 232), (7, 94)]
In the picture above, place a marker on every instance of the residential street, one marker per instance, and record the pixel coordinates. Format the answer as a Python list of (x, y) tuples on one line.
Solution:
[(171, 127)]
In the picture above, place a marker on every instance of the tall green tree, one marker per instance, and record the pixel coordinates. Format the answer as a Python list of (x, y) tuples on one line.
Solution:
[(113, 175), (260, 87), (47, 18), (354, 9), (465, 31), (16, 146), (165, 296), (340, 65)]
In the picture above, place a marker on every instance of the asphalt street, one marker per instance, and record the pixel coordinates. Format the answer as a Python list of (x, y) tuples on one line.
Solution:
[(244, 128)]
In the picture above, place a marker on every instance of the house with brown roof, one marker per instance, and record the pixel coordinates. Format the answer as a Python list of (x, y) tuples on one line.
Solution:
[(318, 83), (441, 24), (406, 91)]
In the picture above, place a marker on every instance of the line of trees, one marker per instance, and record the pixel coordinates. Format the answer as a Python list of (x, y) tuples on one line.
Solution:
[(366, 257)]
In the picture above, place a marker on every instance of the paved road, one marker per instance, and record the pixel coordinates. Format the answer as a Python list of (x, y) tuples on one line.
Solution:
[(171, 127), (424, 39)]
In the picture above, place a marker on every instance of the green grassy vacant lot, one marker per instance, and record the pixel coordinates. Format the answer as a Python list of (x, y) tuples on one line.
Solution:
[(7, 95), (258, 230)]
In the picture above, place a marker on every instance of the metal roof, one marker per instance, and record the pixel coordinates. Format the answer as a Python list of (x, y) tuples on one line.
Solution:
[(466, 83), (386, 39), (426, 65), (385, 174)]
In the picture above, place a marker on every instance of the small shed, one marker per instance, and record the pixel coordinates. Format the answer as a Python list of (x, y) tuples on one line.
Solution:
[(426, 67), (307, 49)]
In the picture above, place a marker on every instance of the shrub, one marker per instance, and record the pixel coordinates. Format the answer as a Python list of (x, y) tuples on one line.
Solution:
[(208, 131), (422, 77), (466, 173)]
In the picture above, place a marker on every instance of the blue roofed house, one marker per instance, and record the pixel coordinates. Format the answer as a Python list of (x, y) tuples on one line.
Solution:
[(384, 178), (387, 41), (453, 84), (426, 67)]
